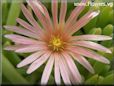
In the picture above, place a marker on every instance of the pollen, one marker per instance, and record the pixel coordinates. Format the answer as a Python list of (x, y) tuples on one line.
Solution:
[(56, 43)]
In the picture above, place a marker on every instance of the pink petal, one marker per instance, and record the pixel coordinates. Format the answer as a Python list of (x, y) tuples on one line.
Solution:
[(92, 45), (46, 13), (57, 70), (74, 15), (63, 11), (39, 11), (30, 59), (70, 75), (21, 39), (21, 31), (64, 71), (55, 12), (26, 25), (14, 47), (31, 48), (72, 67), (30, 18), (37, 4), (47, 70), (90, 54), (36, 64), (83, 62), (83, 21), (91, 37)]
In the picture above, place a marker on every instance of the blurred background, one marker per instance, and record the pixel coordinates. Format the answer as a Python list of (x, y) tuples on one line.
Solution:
[(102, 24)]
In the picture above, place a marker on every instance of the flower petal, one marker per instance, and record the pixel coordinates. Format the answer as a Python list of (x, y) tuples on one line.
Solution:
[(36, 64), (74, 15), (40, 13), (31, 48), (21, 39), (55, 12), (30, 59), (27, 26), (90, 54), (83, 21), (46, 13), (57, 70), (15, 47), (91, 37), (72, 67), (92, 45), (63, 11), (30, 18), (47, 70), (64, 71), (22, 31), (83, 62)]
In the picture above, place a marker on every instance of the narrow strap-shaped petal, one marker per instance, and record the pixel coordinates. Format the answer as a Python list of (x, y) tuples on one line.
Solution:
[(39, 32), (55, 12), (83, 62), (21, 31), (90, 54), (83, 21), (46, 13), (15, 47), (30, 59), (47, 70), (30, 18), (92, 45), (21, 39), (40, 13), (74, 15), (57, 70), (27, 26), (70, 75), (36, 64), (31, 48), (64, 71), (72, 67), (26, 48), (63, 11), (91, 37)]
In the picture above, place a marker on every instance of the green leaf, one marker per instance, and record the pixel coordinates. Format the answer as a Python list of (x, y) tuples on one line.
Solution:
[(36, 75), (110, 72), (11, 74), (99, 67), (108, 79), (4, 80), (111, 15), (90, 25), (51, 80), (108, 43), (13, 13), (5, 12), (92, 80), (104, 16), (108, 30), (105, 70), (100, 79), (12, 57), (96, 31)]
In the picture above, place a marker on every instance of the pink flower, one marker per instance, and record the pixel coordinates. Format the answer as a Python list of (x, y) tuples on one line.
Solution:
[(53, 43)]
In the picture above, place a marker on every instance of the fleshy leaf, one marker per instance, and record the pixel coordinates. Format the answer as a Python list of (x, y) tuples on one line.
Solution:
[(108, 79), (92, 80)]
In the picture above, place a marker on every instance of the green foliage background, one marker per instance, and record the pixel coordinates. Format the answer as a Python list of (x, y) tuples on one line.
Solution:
[(102, 24)]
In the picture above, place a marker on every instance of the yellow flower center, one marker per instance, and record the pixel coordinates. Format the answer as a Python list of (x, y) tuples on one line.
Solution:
[(56, 43)]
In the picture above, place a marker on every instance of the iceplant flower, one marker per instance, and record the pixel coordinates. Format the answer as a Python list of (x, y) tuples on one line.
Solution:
[(53, 42)]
